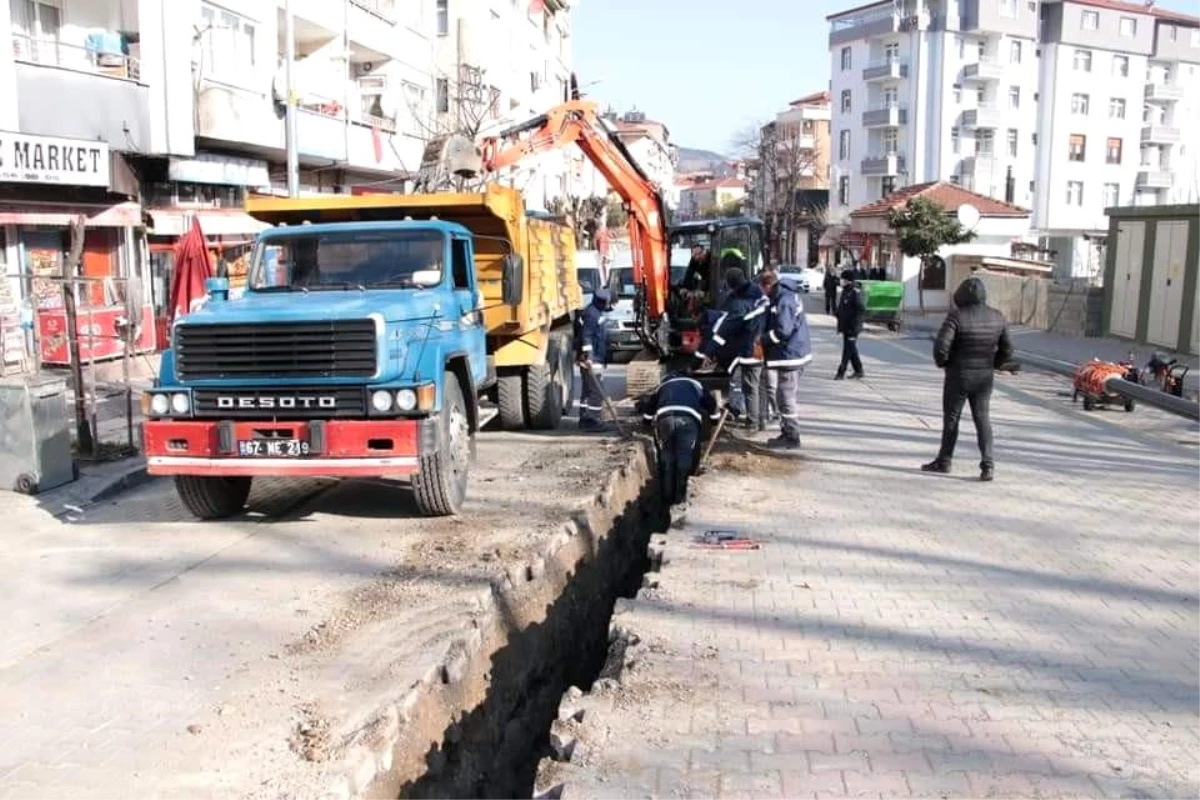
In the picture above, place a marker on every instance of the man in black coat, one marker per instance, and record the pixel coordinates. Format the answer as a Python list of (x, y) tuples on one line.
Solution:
[(830, 284), (972, 343), (679, 409), (851, 313)]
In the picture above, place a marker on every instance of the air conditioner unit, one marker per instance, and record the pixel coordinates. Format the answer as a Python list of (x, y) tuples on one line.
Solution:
[(372, 84)]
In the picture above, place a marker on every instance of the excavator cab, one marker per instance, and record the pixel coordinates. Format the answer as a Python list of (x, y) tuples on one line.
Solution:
[(701, 251)]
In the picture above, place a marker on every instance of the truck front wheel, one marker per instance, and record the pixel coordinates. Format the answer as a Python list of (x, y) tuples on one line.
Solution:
[(440, 485), (212, 497)]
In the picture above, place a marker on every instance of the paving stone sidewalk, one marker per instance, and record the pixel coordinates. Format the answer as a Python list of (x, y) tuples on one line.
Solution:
[(900, 634)]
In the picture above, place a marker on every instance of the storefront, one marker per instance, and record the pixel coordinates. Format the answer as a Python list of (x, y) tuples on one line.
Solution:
[(45, 184), (210, 189)]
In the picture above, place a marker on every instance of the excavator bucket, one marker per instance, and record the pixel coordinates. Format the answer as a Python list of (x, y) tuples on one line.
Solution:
[(447, 157)]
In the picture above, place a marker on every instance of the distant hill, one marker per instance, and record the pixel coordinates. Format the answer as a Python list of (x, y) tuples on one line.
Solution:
[(693, 160)]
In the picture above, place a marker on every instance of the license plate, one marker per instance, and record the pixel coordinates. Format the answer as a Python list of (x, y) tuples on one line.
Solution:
[(273, 448)]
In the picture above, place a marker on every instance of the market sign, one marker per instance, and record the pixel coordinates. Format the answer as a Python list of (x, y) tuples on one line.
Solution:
[(52, 160)]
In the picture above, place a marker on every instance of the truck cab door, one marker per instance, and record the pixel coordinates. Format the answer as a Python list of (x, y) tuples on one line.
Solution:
[(469, 301)]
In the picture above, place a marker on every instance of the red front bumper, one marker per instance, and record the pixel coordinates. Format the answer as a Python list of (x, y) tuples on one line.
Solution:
[(355, 448)]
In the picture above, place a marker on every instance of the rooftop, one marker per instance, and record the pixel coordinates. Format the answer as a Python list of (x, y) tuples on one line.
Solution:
[(1139, 8), (817, 98), (941, 193)]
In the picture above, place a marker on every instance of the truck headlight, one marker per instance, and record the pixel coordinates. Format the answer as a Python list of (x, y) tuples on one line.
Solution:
[(381, 401), (180, 403), (160, 404), (406, 399)]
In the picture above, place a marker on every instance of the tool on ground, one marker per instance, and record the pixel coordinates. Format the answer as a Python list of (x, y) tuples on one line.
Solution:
[(724, 540), (608, 406)]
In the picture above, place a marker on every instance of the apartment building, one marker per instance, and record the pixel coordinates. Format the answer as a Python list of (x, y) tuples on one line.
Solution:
[(501, 62), (1061, 106), (649, 143)]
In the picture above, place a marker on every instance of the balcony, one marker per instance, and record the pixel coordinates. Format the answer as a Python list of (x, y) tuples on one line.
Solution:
[(81, 92), (982, 164), (986, 116), (987, 70), (878, 21), (1160, 134), (1164, 93), (1153, 178), (891, 70), (888, 115), (885, 165)]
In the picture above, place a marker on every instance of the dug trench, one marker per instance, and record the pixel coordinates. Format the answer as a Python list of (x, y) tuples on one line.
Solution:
[(479, 723)]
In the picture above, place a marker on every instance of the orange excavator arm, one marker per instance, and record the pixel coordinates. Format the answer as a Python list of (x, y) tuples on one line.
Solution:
[(577, 122)]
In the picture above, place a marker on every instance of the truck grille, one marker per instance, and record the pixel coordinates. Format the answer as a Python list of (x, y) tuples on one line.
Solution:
[(309, 402), (336, 349)]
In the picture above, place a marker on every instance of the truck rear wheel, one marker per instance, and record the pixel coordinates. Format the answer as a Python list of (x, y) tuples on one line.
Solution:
[(510, 398), (440, 485), (548, 386), (212, 497)]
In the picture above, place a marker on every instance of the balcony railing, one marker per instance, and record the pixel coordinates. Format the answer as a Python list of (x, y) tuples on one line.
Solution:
[(885, 115), (988, 69), (988, 115), (1153, 178), (1164, 92), (882, 164), (384, 9), (53, 53), (1160, 134), (890, 69)]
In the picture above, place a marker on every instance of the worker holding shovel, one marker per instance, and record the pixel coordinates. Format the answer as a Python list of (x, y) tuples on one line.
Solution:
[(593, 352), (678, 409)]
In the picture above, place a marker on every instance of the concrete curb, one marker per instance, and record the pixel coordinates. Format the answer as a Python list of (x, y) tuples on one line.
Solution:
[(131, 479)]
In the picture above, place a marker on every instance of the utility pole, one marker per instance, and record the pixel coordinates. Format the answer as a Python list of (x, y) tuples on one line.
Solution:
[(293, 155), (70, 271)]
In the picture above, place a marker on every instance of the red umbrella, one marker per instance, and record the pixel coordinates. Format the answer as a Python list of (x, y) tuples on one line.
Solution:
[(192, 269)]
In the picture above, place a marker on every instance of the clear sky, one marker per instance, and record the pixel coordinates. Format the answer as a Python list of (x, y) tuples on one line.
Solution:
[(708, 68)]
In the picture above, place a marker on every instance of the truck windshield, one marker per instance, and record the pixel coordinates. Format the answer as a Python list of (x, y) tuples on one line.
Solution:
[(399, 259)]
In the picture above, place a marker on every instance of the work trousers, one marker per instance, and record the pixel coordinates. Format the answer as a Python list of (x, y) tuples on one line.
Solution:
[(975, 390), (749, 378), (786, 390), (831, 303), (850, 355), (591, 394), (678, 442)]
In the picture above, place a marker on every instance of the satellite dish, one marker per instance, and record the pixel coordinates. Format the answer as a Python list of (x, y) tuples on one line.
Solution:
[(968, 216)]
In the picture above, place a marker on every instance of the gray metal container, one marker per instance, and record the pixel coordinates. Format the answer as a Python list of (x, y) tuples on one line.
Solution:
[(35, 435)]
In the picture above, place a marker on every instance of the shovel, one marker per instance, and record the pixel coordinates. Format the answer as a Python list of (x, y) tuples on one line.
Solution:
[(713, 441)]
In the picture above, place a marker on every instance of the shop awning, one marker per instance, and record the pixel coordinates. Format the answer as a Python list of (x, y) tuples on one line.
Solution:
[(121, 215), (214, 221)]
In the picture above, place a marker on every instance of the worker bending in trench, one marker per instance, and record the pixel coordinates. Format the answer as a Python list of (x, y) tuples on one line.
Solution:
[(678, 409)]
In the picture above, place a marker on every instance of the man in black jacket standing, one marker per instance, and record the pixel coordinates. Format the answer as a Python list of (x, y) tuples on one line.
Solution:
[(851, 313), (830, 284), (971, 344)]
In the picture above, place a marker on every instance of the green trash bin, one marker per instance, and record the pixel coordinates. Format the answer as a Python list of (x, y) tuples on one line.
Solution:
[(883, 300)]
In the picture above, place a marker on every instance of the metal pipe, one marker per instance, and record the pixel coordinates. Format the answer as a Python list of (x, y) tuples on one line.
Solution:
[(1135, 391), (289, 57)]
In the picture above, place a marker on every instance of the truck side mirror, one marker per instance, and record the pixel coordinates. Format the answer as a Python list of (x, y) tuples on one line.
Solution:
[(512, 282)]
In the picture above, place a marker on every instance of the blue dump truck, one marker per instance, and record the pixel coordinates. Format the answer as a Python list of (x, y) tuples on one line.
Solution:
[(371, 330)]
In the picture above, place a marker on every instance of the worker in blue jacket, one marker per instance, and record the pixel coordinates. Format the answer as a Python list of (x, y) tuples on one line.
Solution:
[(592, 356), (733, 339), (788, 349), (678, 409)]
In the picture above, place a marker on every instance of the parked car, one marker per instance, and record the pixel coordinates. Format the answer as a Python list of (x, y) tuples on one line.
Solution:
[(796, 275), (621, 322)]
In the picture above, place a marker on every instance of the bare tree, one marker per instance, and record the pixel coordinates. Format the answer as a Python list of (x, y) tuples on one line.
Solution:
[(785, 163)]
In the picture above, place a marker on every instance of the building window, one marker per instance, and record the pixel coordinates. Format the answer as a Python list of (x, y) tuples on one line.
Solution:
[(1008, 8), (1090, 21), (1116, 108), (443, 96), (1014, 97), (891, 139), (957, 94), (891, 52), (985, 143), (845, 101), (980, 94), (890, 97), (887, 185), (846, 59), (1014, 52), (962, 47), (1112, 194), (1012, 142), (982, 49), (1128, 27), (844, 145), (228, 43), (1074, 193), (1120, 67), (844, 190), (1080, 103), (954, 179), (1083, 61), (1077, 148), (933, 274), (955, 141), (443, 17), (1112, 151)]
